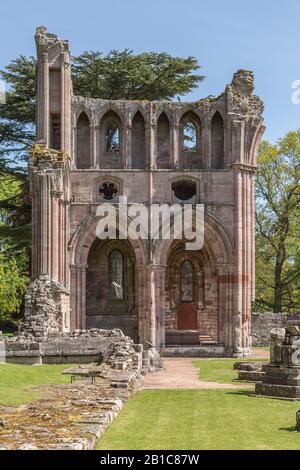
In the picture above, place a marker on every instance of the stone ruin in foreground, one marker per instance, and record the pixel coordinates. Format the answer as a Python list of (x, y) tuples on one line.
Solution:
[(282, 374)]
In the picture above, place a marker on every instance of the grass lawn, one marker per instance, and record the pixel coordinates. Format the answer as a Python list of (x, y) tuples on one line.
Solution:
[(16, 381), (220, 370), (202, 419)]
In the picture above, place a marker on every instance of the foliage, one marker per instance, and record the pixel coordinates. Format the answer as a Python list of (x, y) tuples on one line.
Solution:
[(13, 283), (17, 115), (14, 257), (124, 75), (278, 224)]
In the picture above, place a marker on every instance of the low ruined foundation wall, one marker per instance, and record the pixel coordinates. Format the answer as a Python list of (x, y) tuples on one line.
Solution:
[(81, 347), (263, 323)]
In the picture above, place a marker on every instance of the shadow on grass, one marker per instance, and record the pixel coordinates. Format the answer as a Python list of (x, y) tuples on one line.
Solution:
[(245, 393), (291, 429)]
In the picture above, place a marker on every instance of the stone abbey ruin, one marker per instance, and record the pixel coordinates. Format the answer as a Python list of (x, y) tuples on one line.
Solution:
[(92, 151)]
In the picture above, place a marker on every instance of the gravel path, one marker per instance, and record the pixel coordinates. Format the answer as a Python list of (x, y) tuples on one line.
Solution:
[(180, 373)]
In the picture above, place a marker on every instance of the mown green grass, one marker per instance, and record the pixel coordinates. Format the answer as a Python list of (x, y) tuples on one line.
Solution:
[(220, 370), (202, 419), (17, 381)]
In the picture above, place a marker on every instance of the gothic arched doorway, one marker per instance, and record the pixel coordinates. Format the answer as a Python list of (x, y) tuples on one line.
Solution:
[(110, 287), (192, 306)]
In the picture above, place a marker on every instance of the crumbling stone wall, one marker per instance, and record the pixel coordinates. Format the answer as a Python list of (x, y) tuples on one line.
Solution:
[(263, 323)]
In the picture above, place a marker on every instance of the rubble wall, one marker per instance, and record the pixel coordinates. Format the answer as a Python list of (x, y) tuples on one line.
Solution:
[(263, 323)]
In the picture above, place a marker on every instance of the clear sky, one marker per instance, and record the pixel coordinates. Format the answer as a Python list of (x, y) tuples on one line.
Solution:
[(224, 35)]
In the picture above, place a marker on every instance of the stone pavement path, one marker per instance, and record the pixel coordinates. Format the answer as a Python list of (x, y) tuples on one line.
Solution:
[(180, 373)]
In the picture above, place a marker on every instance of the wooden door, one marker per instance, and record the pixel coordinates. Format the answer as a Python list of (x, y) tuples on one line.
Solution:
[(187, 316)]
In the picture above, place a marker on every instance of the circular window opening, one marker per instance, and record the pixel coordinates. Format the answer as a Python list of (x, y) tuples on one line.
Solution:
[(184, 190)]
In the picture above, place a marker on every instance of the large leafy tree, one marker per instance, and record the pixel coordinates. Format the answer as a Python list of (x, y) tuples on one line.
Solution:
[(14, 256), (278, 225), (17, 114), (124, 75)]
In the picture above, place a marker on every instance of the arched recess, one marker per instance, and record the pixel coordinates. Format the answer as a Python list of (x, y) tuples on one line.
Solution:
[(208, 312), (111, 141), (217, 142), (190, 141), (83, 241), (111, 300), (138, 142), (163, 141), (217, 243), (83, 142)]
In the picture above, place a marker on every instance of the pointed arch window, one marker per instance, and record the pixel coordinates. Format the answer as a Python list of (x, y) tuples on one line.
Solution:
[(112, 137), (217, 142), (116, 275), (138, 141), (186, 282), (189, 137), (83, 142)]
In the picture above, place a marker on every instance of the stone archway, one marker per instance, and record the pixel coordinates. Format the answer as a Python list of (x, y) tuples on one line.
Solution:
[(214, 284), (192, 297), (111, 298), (85, 242)]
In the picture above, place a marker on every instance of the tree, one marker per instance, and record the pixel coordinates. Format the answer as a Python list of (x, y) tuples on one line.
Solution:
[(17, 115), (14, 258), (124, 75), (13, 283), (278, 224)]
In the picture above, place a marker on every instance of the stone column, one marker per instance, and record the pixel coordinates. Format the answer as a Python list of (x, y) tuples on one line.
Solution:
[(55, 235), (225, 286), (34, 234), (66, 124), (93, 155), (97, 149), (152, 137), (78, 300), (74, 148), (175, 137), (128, 146), (43, 101), (154, 296), (206, 142)]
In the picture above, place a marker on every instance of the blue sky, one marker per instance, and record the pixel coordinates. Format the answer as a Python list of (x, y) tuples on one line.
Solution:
[(260, 35)]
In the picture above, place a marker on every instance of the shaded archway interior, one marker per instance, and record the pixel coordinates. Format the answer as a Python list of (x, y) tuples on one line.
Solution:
[(110, 287), (192, 307)]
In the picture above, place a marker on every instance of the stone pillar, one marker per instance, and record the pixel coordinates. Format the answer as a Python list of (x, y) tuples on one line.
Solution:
[(78, 301), (225, 294), (128, 146), (43, 99), (174, 148), (97, 147), (153, 279), (152, 137), (92, 147), (34, 234), (66, 85), (205, 146)]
